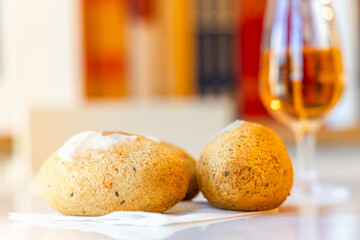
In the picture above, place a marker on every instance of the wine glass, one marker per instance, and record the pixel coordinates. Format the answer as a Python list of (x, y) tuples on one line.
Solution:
[(301, 79)]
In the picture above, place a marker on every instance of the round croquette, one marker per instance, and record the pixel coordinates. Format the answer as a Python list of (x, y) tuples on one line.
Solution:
[(96, 173), (246, 167)]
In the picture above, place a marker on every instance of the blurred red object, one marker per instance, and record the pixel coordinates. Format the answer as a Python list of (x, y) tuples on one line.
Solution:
[(249, 29), (142, 8)]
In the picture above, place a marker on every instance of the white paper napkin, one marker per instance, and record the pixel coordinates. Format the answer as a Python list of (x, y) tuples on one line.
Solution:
[(184, 214)]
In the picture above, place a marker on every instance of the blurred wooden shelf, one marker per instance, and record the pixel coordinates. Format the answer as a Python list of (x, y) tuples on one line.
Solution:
[(128, 112)]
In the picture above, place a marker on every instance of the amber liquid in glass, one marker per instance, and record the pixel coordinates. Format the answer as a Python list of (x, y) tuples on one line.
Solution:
[(304, 86)]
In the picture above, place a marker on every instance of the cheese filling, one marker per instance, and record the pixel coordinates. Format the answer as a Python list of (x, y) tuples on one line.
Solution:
[(91, 140)]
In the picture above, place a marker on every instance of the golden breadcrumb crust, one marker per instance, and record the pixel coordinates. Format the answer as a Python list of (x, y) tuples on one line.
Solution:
[(190, 165), (141, 175), (247, 169)]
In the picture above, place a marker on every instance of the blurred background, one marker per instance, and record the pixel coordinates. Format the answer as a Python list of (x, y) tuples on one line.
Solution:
[(177, 69)]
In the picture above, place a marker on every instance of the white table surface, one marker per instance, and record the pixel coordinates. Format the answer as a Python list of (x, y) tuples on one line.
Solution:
[(292, 221)]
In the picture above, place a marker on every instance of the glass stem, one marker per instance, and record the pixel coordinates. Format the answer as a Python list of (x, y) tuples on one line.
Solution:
[(306, 170)]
